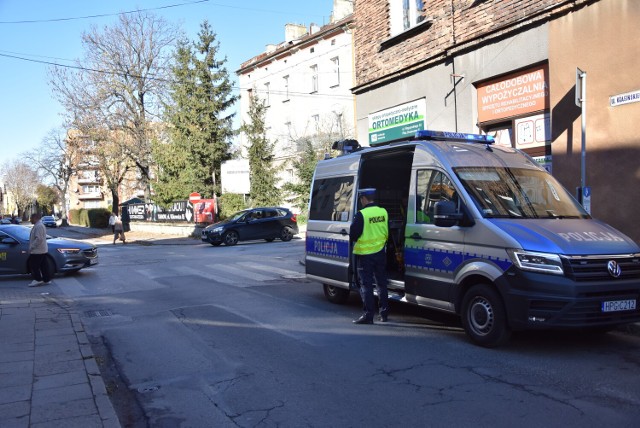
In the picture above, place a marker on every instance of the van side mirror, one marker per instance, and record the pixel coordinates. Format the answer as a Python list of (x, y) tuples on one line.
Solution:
[(445, 214)]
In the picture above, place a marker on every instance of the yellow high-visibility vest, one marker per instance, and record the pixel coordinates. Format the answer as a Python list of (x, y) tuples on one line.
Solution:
[(375, 232)]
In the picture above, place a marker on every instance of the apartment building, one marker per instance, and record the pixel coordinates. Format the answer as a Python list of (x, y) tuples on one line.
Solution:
[(306, 82), (88, 188), (508, 68)]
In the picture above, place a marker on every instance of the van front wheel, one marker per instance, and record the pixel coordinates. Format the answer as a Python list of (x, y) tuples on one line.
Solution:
[(483, 316), (335, 294)]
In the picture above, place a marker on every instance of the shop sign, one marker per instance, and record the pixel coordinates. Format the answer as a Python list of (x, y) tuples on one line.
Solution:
[(397, 122), (629, 97), (178, 211), (533, 131), (514, 95)]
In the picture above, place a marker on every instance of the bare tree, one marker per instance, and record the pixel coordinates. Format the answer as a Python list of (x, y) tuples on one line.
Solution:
[(103, 151), (21, 181), (121, 83), (57, 162)]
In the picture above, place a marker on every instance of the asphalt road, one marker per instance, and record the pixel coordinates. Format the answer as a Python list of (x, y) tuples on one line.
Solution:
[(201, 336)]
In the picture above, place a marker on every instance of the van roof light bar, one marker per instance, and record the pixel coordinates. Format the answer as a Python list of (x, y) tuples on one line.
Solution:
[(345, 146), (456, 136)]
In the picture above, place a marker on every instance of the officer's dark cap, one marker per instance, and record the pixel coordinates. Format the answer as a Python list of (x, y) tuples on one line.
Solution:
[(369, 191)]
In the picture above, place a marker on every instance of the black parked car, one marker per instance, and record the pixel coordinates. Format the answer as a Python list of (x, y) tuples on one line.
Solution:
[(266, 223)]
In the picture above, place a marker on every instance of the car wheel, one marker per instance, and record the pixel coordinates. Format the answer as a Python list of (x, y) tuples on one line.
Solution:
[(269, 239), (335, 294), (216, 244), (230, 238), (483, 316), (286, 234)]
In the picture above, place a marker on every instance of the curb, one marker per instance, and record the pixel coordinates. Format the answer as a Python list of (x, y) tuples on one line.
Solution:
[(101, 398)]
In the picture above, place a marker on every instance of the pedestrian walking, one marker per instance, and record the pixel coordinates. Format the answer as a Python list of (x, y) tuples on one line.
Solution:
[(38, 249), (118, 229), (369, 233), (112, 222)]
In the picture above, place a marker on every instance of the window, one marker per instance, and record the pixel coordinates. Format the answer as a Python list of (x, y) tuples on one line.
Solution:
[(433, 186), (335, 71), (267, 98), (314, 78), (331, 199), (405, 14), (315, 119), (286, 88), (90, 189)]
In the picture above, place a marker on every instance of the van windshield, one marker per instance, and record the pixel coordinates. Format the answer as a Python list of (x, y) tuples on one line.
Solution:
[(518, 193)]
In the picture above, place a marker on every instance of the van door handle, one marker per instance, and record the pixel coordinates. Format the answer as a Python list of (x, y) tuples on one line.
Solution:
[(416, 235), (344, 232)]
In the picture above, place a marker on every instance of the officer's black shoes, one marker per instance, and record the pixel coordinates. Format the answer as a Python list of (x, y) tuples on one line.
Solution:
[(383, 318), (363, 320)]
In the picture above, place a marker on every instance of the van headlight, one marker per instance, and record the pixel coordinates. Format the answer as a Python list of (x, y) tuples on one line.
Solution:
[(537, 262)]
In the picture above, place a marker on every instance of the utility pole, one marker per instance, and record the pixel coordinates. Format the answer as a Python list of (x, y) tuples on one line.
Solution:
[(584, 192)]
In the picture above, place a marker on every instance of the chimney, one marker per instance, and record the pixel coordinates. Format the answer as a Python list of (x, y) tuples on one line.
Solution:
[(270, 48), (341, 9), (314, 28), (294, 32)]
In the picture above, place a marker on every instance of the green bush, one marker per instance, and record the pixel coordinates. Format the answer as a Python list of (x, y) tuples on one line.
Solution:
[(92, 217), (231, 203)]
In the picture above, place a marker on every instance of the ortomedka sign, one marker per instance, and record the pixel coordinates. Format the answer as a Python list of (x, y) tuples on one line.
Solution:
[(397, 122)]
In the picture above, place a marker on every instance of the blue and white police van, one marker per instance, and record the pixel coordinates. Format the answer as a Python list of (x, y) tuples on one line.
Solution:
[(477, 230)]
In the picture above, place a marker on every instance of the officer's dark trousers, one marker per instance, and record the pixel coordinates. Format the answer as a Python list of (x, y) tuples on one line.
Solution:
[(368, 266)]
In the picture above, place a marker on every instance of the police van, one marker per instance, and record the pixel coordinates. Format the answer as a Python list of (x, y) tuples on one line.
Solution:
[(477, 230)]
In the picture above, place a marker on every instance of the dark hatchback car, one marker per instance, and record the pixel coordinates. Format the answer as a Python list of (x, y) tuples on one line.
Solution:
[(65, 255), (266, 223), (49, 221)]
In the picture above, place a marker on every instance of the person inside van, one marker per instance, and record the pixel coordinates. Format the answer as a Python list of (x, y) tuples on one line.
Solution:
[(421, 216), (369, 233)]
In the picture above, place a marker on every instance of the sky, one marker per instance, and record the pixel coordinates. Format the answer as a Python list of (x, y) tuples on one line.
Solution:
[(37, 33)]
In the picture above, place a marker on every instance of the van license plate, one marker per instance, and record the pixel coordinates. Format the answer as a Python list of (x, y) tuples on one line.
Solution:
[(619, 305)]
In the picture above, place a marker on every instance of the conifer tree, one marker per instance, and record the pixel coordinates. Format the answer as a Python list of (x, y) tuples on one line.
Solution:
[(263, 190), (304, 165), (200, 125)]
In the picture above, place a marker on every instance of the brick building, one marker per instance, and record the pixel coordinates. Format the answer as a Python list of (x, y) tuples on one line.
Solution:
[(508, 68)]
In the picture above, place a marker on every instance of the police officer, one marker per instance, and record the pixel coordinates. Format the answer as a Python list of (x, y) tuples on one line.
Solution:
[(368, 234)]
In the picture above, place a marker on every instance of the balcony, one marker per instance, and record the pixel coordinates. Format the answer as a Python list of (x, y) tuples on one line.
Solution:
[(89, 180), (89, 196)]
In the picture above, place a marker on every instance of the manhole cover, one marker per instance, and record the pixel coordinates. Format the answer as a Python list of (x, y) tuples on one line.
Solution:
[(96, 314)]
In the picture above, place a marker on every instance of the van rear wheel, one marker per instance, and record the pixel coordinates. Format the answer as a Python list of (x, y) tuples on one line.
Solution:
[(335, 294), (483, 316)]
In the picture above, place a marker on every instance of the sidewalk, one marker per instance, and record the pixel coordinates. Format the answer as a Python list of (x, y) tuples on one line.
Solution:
[(48, 373)]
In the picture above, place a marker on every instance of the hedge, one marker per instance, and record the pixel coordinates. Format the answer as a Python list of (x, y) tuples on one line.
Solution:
[(92, 217)]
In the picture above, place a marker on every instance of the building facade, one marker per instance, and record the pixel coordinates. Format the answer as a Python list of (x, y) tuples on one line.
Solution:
[(306, 83), (88, 187), (508, 68)]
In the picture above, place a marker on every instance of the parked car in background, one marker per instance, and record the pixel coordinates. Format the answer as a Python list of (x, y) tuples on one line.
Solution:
[(65, 255), (49, 221), (266, 223)]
